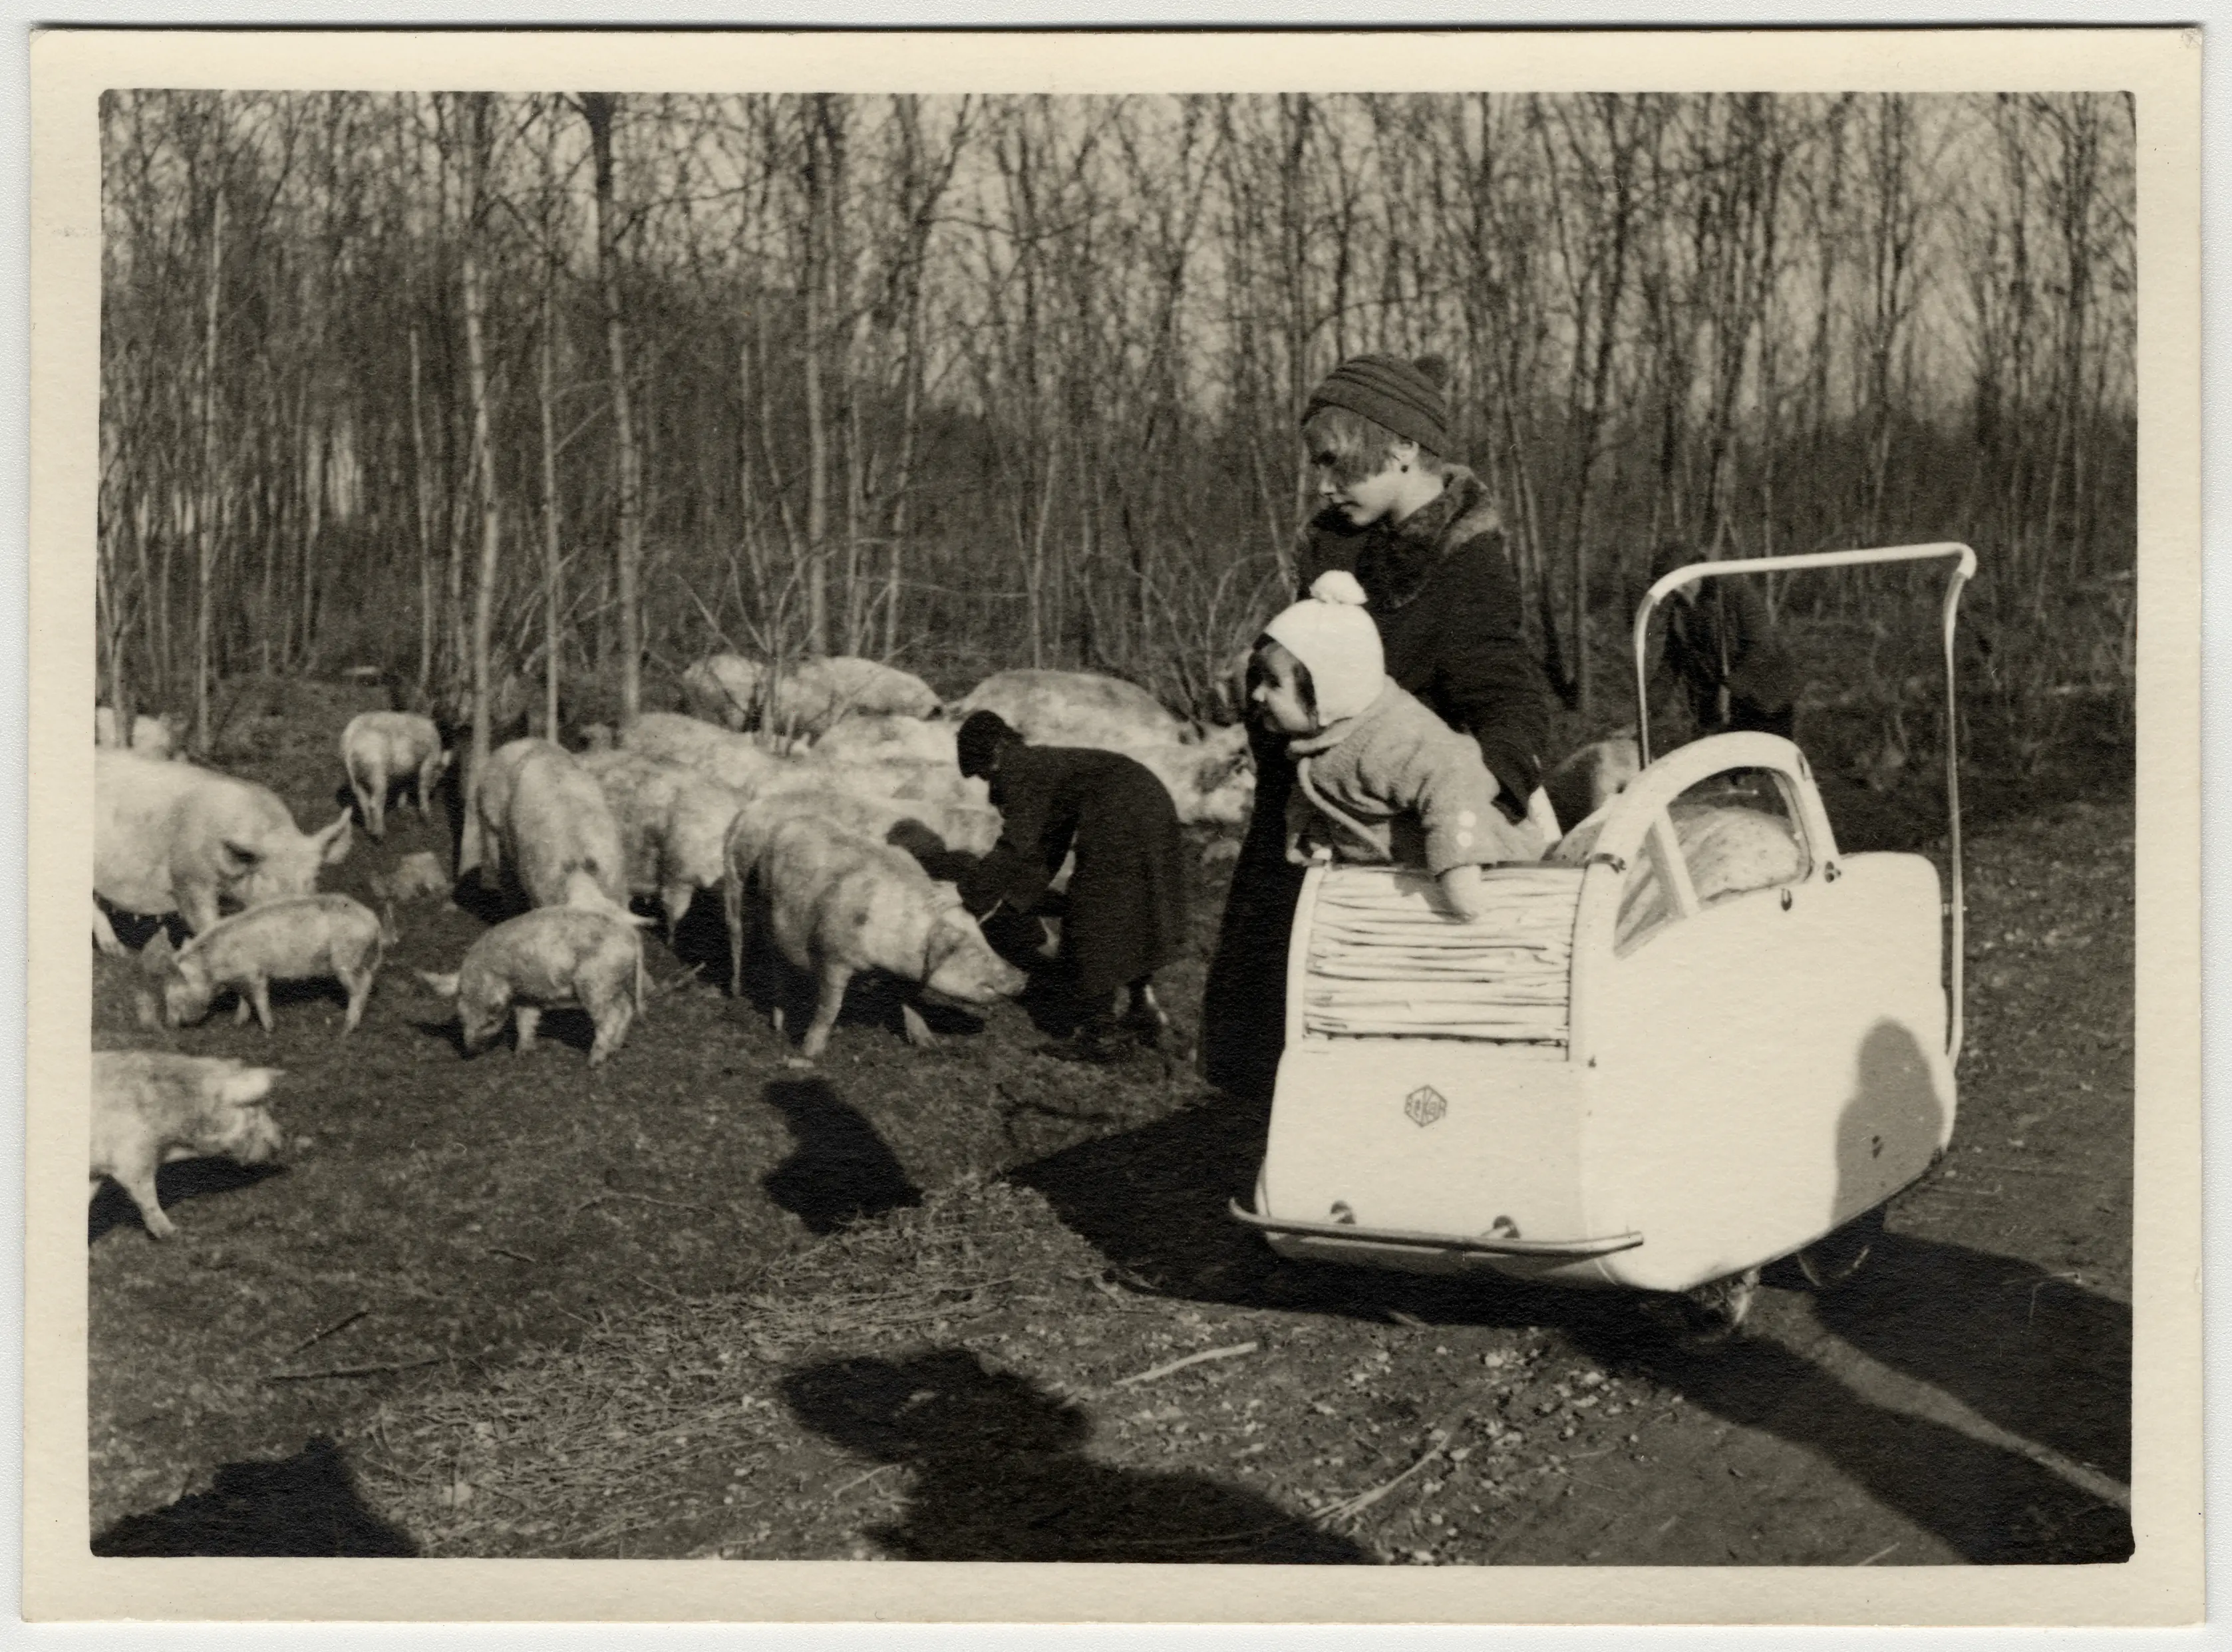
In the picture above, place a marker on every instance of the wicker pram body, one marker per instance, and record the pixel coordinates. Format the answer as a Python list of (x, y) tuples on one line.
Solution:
[(1558, 1092)]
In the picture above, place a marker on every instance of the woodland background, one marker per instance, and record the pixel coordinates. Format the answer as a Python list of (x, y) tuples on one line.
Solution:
[(606, 382)]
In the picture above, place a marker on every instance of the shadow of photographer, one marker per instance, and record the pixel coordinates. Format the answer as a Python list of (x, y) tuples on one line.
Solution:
[(1000, 1474)]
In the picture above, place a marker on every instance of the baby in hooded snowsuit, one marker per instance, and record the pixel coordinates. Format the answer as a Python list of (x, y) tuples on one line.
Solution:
[(1379, 779)]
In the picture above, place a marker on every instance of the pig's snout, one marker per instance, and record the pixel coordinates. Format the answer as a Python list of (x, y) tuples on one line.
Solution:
[(969, 972), (257, 1141)]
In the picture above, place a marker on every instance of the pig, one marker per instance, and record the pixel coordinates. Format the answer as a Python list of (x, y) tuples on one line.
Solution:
[(556, 822), (151, 1107), (640, 792), (862, 738), (1729, 850), (551, 957), (1075, 708), (813, 695), (754, 828), (1211, 782), (311, 937), (673, 822), (724, 688), (381, 750), (920, 828), (415, 874), (897, 778), (492, 798), (1592, 777), (839, 902), (174, 837), (734, 760)]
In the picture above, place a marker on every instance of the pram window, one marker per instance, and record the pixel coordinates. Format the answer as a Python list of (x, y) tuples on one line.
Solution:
[(1732, 834)]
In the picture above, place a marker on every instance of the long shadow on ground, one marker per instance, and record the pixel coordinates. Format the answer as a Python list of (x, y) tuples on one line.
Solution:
[(306, 1504), (839, 1170), (1153, 1201), (188, 1179), (999, 1474)]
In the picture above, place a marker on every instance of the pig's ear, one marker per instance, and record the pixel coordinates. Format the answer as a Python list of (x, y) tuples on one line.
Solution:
[(946, 938), (156, 956), (334, 841), (237, 858), (442, 986)]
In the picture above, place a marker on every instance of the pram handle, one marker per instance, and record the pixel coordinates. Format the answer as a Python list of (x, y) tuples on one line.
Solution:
[(1964, 569)]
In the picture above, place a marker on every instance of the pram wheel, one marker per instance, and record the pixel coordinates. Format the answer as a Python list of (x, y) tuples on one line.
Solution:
[(1835, 1258), (1709, 1314)]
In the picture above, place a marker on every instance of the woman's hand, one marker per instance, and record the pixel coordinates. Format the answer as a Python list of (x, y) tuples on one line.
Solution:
[(1461, 891)]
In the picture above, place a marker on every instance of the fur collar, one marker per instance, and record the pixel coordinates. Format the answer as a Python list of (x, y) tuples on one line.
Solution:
[(1396, 562)]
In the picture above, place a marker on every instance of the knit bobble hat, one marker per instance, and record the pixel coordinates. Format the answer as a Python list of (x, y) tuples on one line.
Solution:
[(1403, 397), (1329, 632)]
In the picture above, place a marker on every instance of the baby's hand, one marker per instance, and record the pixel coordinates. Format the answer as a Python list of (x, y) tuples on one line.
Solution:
[(1460, 889)]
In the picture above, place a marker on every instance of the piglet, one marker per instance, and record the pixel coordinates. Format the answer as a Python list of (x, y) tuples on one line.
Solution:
[(304, 938), (383, 750), (151, 1107), (551, 957), (841, 902)]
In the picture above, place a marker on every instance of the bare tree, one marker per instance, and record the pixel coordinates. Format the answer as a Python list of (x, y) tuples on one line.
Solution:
[(599, 109), (474, 302)]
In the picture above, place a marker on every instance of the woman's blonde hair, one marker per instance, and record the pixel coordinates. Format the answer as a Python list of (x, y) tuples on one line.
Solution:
[(1353, 446)]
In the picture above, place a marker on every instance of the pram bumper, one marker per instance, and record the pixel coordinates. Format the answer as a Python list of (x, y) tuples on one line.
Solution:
[(1426, 1253)]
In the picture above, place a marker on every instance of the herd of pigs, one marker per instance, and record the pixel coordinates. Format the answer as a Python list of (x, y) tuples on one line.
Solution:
[(821, 826)]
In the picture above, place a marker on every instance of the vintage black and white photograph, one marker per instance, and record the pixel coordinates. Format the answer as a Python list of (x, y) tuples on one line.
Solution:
[(1330, 828)]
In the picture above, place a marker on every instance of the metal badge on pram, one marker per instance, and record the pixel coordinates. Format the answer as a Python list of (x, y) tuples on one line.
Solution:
[(1425, 1106)]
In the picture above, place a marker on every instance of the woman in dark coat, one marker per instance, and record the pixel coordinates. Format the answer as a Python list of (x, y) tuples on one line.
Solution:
[(1124, 914), (1722, 651), (1426, 543)]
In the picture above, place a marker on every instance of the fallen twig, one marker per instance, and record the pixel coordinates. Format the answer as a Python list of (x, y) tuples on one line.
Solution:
[(1349, 1508), (342, 1323), (516, 1256), (355, 1370), (1150, 1375), (857, 1480), (1877, 1556)]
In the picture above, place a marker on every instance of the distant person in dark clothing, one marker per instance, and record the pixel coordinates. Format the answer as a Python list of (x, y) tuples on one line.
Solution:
[(1722, 651), (1125, 912), (1426, 543)]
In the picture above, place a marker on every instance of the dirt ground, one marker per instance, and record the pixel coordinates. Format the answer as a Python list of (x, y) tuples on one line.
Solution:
[(934, 1304)]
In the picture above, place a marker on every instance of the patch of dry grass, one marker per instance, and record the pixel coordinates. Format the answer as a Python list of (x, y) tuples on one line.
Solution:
[(565, 1450)]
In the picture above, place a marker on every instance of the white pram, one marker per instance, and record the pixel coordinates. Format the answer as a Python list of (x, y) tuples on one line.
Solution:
[(1613, 1079)]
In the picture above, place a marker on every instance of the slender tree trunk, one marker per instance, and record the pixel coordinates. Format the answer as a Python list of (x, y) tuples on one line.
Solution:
[(598, 107), (484, 464), (817, 413), (422, 485), (314, 501), (546, 391), (206, 526), (903, 477)]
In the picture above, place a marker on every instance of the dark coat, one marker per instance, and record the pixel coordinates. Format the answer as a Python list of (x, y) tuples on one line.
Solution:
[(1125, 917), (1721, 637), (1446, 600)]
